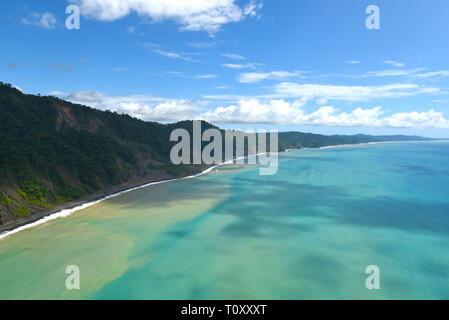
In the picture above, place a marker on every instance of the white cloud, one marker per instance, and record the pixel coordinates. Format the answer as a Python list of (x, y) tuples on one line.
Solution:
[(252, 8), (354, 62), (255, 111), (349, 93), (285, 113), (206, 76), (394, 72), (442, 73), (410, 73), (394, 63), (177, 73), (233, 56), (18, 88), (253, 77), (145, 107), (222, 87), (186, 75), (173, 110), (90, 98), (131, 29), (193, 15), (45, 20), (239, 66), (174, 55), (430, 119)]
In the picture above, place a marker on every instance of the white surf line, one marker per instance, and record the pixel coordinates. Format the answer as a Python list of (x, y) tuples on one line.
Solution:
[(375, 142), (68, 212)]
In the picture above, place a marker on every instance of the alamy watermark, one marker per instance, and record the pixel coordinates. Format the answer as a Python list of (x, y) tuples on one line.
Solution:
[(73, 21), (190, 151), (373, 280), (373, 20), (73, 280)]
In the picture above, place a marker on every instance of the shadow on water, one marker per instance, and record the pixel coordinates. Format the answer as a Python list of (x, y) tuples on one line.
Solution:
[(403, 215), (274, 208), (255, 219), (372, 212), (161, 196), (259, 209)]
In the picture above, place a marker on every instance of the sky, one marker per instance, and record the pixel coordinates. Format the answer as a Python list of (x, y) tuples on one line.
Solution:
[(303, 65)]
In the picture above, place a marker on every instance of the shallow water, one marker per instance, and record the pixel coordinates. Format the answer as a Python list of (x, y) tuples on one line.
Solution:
[(308, 232)]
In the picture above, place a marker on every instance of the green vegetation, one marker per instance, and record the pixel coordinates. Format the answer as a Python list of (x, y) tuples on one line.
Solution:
[(21, 212), (4, 200), (176, 171), (33, 191), (299, 140), (68, 193)]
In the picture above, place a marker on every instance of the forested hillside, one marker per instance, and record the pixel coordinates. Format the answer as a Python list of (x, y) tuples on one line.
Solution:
[(299, 140), (53, 151)]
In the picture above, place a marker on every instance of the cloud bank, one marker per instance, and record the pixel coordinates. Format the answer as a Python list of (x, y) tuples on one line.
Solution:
[(255, 111), (192, 15), (326, 93), (285, 113)]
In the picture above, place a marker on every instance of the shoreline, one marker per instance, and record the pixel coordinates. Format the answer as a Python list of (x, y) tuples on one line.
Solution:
[(372, 143), (71, 207)]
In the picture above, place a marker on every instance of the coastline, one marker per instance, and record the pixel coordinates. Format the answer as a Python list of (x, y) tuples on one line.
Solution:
[(370, 143), (70, 208), (67, 209)]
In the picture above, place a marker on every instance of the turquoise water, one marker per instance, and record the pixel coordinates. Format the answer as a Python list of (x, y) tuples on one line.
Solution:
[(308, 232)]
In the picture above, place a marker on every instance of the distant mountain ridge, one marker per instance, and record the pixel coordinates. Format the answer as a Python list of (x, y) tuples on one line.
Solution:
[(298, 140), (53, 151)]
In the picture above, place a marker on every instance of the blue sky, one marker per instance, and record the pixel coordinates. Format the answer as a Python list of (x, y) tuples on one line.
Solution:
[(309, 65)]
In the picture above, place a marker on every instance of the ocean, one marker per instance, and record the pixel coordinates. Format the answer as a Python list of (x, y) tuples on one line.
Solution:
[(308, 232)]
